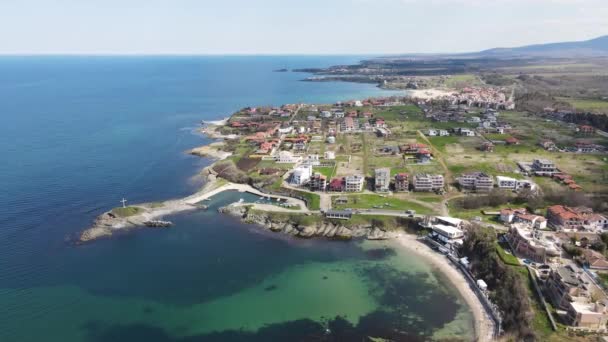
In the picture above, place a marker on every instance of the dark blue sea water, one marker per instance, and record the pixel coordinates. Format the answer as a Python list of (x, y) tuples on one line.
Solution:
[(80, 133)]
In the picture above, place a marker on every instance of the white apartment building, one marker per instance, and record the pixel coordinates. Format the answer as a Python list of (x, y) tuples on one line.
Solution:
[(427, 182), (353, 183), (301, 175)]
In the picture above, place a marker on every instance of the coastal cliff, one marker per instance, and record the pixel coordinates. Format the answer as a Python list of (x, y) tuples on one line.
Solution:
[(303, 226)]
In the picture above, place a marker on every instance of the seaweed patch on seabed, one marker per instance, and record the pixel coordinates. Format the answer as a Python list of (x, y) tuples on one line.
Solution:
[(380, 253), (410, 302), (270, 288)]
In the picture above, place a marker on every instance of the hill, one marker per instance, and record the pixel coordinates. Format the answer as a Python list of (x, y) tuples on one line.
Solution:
[(588, 48)]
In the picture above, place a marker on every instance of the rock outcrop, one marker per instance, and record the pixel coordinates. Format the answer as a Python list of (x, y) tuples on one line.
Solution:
[(288, 224)]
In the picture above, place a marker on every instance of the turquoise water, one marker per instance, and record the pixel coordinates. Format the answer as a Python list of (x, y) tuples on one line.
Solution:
[(79, 133)]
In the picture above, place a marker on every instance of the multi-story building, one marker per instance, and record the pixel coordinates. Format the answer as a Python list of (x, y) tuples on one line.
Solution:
[(532, 244), (318, 182), (566, 283), (476, 181), (427, 182), (349, 124), (301, 174), (572, 290), (382, 179), (543, 167), (353, 183), (402, 182)]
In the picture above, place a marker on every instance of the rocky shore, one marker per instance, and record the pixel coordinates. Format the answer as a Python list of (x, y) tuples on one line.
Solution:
[(212, 151), (287, 224)]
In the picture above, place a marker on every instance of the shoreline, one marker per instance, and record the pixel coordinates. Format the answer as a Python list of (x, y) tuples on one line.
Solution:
[(105, 226), (483, 325)]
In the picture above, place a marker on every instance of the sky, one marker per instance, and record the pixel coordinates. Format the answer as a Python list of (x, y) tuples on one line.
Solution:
[(290, 26)]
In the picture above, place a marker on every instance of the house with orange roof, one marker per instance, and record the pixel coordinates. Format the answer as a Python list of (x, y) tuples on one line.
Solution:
[(561, 217)]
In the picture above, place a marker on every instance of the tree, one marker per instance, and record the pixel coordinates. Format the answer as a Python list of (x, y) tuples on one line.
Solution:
[(604, 237), (599, 246)]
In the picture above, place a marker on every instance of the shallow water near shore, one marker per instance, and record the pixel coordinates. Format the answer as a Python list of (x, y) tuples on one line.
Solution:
[(82, 132), (214, 278)]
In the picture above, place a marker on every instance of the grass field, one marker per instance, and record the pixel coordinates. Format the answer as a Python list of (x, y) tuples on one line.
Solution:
[(312, 200), (126, 212), (461, 81), (327, 171), (369, 201), (597, 106), (507, 258)]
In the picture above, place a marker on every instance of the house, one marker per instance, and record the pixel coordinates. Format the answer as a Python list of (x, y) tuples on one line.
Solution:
[(423, 156), (353, 183), (331, 140), (286, 157), (336, 184), (466, 132), (476, 181), (329, 155), (449, 221), (431, 133), (507, 215), (580, 218), (446, 233), (300, 146), (474, 119), (586, 129), (402, 182), (326, 114), (382, 179), (593, 260), (411, 148), (339, 214), (443, 133), (532, 244), (548, 145), (512, 141), (318, 182), (587, 314), (382, 132), (348, 125), (487, 147), (508, 183), (286, 130), (312, 159), (530, 220), (301, 175), (427, 182), (583, 146), (543, 167)]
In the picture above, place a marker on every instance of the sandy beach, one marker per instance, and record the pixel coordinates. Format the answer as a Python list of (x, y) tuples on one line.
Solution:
[(484, 325)]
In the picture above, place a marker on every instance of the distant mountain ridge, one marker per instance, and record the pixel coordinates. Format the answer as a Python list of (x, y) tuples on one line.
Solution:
[(588, 48)]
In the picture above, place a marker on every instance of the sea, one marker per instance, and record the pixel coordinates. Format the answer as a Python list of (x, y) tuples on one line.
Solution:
[(80, 133)]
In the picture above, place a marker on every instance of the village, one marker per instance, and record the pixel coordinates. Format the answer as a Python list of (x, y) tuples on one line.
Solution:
[(430, 160)]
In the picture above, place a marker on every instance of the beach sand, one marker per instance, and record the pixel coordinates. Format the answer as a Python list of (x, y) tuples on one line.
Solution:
[(484, 325)]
